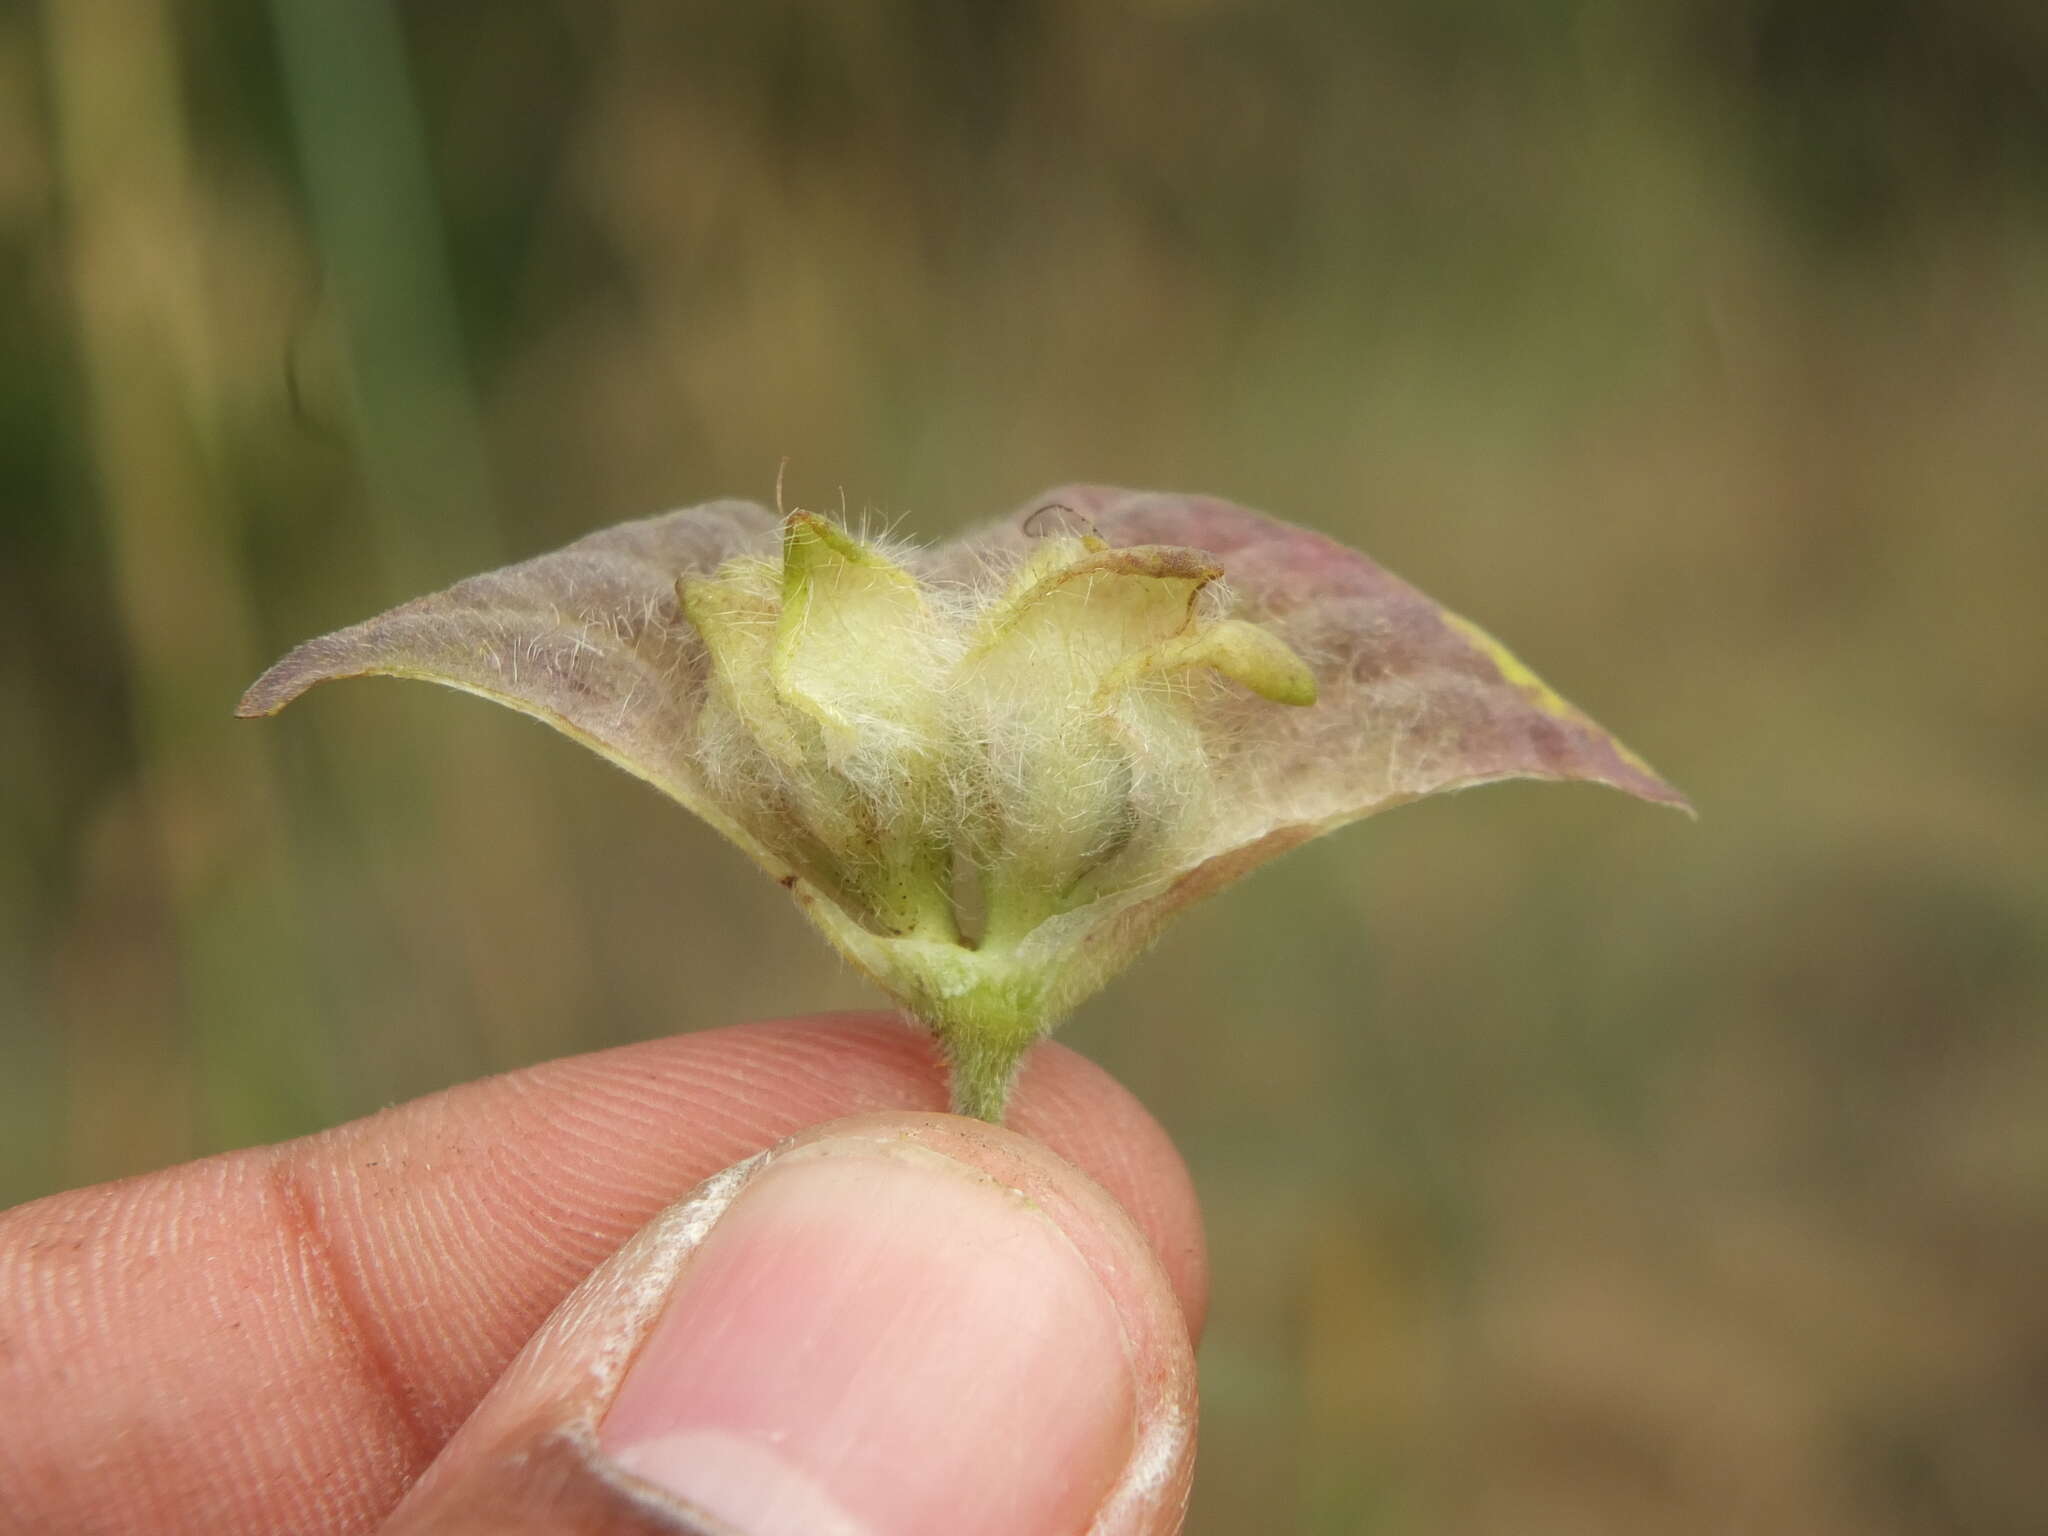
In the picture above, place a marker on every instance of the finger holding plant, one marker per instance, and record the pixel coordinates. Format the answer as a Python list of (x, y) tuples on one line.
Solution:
[(990, 772)]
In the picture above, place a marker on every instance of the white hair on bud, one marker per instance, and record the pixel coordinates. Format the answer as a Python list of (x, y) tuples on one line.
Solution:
[(1042, 767)]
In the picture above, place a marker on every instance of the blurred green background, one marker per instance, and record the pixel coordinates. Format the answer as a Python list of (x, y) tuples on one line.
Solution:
[(1571, 1168)]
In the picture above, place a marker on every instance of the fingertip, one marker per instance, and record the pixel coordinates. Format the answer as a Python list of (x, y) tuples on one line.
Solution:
[(896, 1322), (1092, 1120), (645, 1120)]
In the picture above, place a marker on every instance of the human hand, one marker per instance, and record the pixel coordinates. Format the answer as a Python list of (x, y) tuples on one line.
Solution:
[(898, 1323)]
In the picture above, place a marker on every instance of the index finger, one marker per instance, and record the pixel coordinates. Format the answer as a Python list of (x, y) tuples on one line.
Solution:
[(282, 1338)]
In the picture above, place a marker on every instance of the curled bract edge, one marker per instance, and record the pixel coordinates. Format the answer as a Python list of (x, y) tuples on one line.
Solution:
[(990, 771)]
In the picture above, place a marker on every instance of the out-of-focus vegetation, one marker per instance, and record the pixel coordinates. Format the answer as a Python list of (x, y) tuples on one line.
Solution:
[(1570, 1168)]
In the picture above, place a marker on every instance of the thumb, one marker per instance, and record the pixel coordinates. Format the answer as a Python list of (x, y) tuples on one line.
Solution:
[(892, 1325)]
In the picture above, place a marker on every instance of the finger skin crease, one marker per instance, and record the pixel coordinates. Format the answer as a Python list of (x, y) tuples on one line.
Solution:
[(348, 1316)]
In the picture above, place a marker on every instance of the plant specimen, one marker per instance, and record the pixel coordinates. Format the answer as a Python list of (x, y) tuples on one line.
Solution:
[(989, 772)]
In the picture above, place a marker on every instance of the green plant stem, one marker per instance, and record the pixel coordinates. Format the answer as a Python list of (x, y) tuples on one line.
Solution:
[(982, 1070), (984, 1027), (984, 1006)]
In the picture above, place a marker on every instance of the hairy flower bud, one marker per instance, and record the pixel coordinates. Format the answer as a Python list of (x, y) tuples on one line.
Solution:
[(988, 773)]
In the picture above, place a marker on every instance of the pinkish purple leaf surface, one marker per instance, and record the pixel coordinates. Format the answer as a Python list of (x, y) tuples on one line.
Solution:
[(1412, 699), (589, 639)]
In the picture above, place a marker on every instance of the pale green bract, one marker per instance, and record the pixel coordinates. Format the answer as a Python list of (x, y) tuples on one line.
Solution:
[(990, 772)]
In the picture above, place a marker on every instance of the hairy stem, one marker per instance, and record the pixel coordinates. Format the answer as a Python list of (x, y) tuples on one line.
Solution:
[(983, 1006), (983, 1029), (981, 1073)]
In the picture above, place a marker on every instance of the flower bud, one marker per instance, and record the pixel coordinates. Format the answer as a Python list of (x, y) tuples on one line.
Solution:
[(990, 772)]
